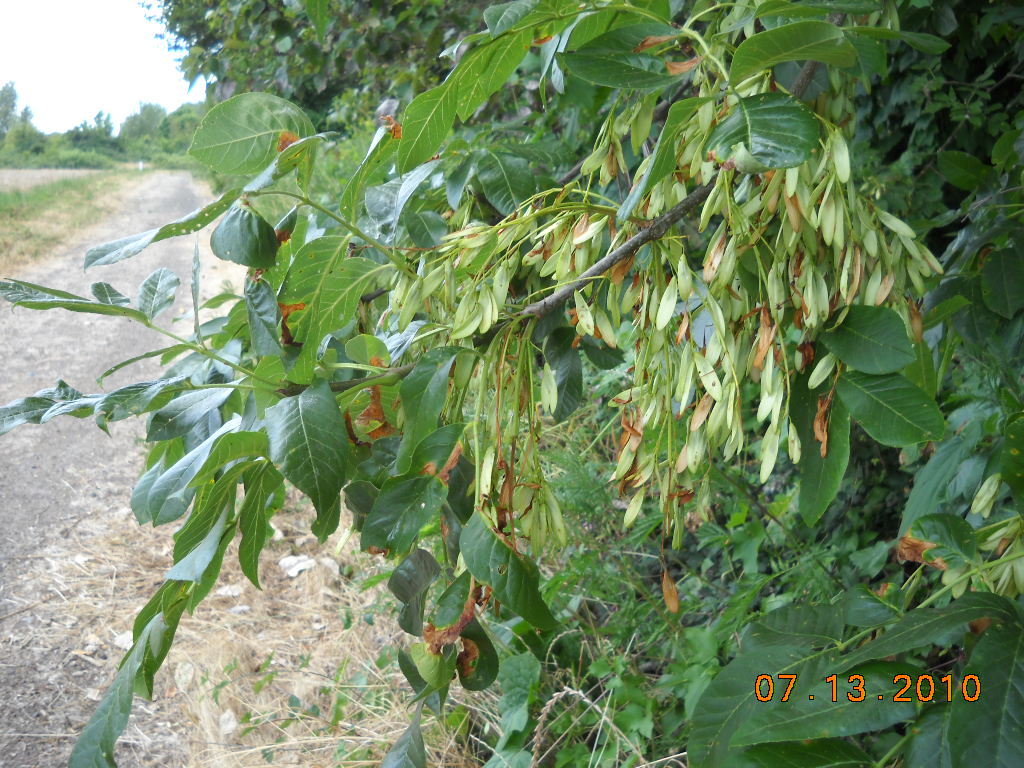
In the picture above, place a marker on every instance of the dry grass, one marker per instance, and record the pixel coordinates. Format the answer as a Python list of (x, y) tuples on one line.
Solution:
[(35, 219), (298, 674)]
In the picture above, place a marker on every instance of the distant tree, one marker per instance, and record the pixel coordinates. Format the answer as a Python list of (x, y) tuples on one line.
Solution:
[(180, 125), (8, 108), (23, 138), (147, 123), (95, 137)]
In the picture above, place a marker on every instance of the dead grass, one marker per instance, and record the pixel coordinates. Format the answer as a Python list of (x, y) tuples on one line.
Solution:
[(297, 674), (35, 220)]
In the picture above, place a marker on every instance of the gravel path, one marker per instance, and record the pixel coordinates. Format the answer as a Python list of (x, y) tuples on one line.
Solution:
[(61, 481)]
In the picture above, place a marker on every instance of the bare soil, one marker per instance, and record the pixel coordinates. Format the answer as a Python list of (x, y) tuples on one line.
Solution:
[(33, 177)]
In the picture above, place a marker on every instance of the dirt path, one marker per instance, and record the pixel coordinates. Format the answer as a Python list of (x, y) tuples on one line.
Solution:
[(64, 479), (24, 179)]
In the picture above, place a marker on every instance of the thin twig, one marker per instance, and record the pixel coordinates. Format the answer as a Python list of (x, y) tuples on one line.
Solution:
[(657, 229)]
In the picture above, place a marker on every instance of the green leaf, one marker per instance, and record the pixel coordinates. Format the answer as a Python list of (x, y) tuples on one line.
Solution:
[(261, 486), (957, 544), (170, 600), (518, 677), (945, 309), (33, 296), (105, 293), (241, 135), (193, 564), (565, 362), (141, 397), (329, 283), (1011, 459), (787, 8), (408, 751), (823, 753), (365, 348), (436, 669), (264, 317), (931, 482), (963, 170), (627, 37), (95, 747), (423, 392), (126, 247), (228, 449), (308, 444), (156, 293), (635, 71), (382, 147), (403, 506), (501, 17), (728, 702), (929, 745), (798, 41), (664, 161), (988, 731), (872, 340), (300, 154), (1002, 282), (319, 13), (385, 203), (802, 717), (891, 409), (409, 582), (820, 478), (816, 626), (512, 576), (770, 130), (485, 68), (434, 450), (450, 605), (506, 180), (924, 626), (184, 412), (31, 410), (863, 608), (245, 237), (427, 120), (196, 329), (479, 673), (923, 42), (456, 180), (425, 228)]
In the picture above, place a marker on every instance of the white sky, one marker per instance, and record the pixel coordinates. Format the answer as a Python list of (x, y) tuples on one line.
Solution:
[(69, 59)]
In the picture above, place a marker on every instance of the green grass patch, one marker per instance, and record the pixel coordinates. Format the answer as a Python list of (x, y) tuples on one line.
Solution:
[(36, 220)]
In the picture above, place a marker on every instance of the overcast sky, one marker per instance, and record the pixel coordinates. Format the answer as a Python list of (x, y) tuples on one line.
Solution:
[(69, 59)]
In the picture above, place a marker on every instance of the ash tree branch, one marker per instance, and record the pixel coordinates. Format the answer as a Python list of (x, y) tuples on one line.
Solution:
[(658, 227)]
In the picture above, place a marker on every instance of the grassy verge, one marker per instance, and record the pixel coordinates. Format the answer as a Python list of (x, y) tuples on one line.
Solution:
[(36, 220)]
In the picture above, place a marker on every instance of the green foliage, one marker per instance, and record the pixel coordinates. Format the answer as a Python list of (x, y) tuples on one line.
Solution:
[(8, 108), (726, 312)]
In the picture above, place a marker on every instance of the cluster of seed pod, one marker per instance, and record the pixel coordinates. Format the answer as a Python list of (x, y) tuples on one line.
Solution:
[(715, 337)]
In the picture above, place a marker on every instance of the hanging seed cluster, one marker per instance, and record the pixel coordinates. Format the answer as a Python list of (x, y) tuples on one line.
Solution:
[(719, 315)]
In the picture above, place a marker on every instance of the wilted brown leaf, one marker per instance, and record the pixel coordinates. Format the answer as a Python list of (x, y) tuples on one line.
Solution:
[(669, 592), (913, 549), (681, 67), (652, 40)]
